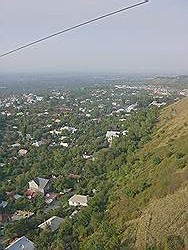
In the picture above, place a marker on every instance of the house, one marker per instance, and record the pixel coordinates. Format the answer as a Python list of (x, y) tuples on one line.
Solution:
[(30, 194), (53, 223), (78, 200), (112, 134), (20, 244), (50, 198), (19, 215), (74, 177), (3, 204), (22, 152), (131, 107), (38, 143), (69, 129), (57, 120), (17, 196), (64, 144), (158, 104), (40, 185), (13, 195), (16, 145), (86, 157)]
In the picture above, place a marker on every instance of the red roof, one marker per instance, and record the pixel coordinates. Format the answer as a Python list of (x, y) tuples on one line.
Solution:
[(30, 193)]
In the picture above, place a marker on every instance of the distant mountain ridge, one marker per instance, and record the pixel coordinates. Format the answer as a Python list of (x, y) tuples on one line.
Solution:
[(179, 81), (177, 77)]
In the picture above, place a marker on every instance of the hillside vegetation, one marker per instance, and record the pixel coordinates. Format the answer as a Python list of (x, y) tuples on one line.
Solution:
[(142, 199), (149, 203)]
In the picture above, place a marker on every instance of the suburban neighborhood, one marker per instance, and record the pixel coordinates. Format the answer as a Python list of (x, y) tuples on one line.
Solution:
[(54, 150)]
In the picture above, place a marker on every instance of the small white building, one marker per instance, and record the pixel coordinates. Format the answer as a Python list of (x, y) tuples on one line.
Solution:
[(22, 243), (78, 200), (22, 152), (112, 134), (131, 107), (37, 143), (15, 145), (64, 144), (158, 104), (69, 129), (53, 223), (57, 120), (17, 196), (86, 157)]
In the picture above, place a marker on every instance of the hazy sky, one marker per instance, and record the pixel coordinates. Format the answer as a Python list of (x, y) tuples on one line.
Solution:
[(152, 38)]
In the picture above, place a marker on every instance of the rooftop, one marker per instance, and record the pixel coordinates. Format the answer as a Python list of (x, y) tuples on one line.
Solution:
[(20, 244), (41, 182), (82, 199), (53, 223)]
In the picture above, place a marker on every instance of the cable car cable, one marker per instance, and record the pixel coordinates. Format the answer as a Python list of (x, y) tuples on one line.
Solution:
[(73, 27)]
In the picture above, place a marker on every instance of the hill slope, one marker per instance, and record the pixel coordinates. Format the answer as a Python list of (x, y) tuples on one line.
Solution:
[(149, 204), (179, 82)]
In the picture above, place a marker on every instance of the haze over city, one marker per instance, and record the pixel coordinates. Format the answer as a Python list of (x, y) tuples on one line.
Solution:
[(149, 39)]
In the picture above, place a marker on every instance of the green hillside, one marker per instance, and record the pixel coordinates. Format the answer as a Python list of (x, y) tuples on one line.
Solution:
[(150, 204), (147, 204)]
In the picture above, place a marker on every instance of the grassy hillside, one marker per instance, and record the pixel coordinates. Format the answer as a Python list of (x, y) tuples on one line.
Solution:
[(149, 200)]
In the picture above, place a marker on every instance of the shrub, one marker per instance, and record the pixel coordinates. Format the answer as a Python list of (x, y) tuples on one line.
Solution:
[(181, 164), (174, 242), (179, 155), (169, 154), (157, 160)]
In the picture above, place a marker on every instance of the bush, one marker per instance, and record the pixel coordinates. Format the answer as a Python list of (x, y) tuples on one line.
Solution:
[(181, 164), (157, 160), (174, 242), (169, 154), (179, 155)]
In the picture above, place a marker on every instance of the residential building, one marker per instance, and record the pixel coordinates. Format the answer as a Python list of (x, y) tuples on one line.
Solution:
[(40, 185), (50, 198), (78, 200), (22, 243), (74, 176), (19, 215), (3, 204), (112, 134), (22, 152), (53, 223)]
